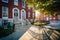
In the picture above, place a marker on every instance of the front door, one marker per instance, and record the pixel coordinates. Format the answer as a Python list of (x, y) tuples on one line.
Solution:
[(23, 16), (15, 14)]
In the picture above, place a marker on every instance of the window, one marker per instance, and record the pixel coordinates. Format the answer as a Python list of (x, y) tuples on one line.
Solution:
[(23, 4), (6, 1), (4, 11), (33, 15), (16, 2), (28, 14)]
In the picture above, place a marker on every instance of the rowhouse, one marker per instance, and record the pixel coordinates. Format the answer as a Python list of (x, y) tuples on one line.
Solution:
[(16, 10)]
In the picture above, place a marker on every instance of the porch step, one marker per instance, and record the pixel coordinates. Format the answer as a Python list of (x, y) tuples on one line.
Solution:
[(28, 22), (25, 22), (22, 22), (16, 21)]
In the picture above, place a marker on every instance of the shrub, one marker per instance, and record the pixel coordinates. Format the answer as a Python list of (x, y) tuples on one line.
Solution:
[(5, 32)]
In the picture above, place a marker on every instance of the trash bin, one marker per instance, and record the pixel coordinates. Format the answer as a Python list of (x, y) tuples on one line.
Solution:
[(6, 25)]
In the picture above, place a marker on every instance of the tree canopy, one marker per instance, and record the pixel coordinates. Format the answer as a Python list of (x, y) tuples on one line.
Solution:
[(45, 5)]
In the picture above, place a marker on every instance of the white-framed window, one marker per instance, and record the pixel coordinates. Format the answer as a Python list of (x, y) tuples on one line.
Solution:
[(16, 2), (6, 1), (4, 11), (23, 4), (28, 14), (33, 15)]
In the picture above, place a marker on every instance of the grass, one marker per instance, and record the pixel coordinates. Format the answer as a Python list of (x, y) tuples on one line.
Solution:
[(5, 32)]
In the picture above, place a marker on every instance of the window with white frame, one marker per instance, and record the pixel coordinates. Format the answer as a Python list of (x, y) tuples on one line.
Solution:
[(28, 14), (23, 4), (16, 2), (4, 11), (33, 15), (6, 1)]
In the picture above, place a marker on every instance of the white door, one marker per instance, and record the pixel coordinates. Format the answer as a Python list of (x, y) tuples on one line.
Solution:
[(23, 14)]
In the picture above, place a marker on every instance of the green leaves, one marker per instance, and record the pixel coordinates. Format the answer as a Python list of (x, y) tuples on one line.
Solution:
[(46, 5)]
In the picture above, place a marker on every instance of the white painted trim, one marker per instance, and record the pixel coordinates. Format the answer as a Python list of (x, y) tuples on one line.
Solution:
[(5, 18), (10, 20), (15, 2), (24, 4), (33, 15), (13, 12), (29, 14), (24, 12)]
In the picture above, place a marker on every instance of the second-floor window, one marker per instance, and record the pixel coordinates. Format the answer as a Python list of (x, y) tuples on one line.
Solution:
[(4, 11), (6, 1), (23, 4), (16, 2)]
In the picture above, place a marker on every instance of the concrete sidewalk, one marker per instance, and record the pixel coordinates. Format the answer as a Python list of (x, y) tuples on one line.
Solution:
[(40, 33), (19, 31)]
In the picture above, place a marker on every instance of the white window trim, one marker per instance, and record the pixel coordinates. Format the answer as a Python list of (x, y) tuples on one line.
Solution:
[(29, 14), (5, 1), (15, 4), (33, 15), (2, 14)]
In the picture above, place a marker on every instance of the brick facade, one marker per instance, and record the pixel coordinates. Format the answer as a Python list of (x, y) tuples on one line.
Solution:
[(11, 5)]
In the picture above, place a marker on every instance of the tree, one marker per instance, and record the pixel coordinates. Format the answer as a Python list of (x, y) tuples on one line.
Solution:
[(45, 5)]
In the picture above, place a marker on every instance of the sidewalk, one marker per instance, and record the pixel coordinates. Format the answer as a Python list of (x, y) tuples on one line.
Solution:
[(40, 33), (19, 31)]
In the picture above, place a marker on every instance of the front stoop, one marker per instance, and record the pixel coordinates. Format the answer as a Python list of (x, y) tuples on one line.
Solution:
[(22, 22)]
